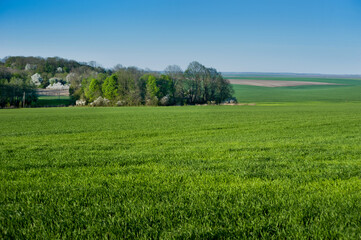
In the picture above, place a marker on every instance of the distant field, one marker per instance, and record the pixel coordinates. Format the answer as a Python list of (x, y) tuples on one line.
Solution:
[(349, 90), (53, 92), (44, 101), (344, 90), (276, 83), (289, 171)]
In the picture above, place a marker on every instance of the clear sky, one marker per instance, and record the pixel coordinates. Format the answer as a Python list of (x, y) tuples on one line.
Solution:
[(305, 36)]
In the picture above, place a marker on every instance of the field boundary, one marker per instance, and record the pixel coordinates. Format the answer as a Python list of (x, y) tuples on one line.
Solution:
[(276, 83), (52, 92)]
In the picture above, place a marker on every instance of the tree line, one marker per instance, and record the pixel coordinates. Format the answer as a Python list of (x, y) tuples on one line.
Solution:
[(131, 86), (16, 93), (16, 72), (13, 85), (120, 85)]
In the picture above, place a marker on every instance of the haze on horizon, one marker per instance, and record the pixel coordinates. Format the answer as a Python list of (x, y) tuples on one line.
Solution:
[(307, 36)]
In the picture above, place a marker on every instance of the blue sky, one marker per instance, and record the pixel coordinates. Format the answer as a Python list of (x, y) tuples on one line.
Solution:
[(306, 36)]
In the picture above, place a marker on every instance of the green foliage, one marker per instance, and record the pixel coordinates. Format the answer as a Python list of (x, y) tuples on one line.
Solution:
[(109, 88), (44, 65), (128, 85), (102, 76), (92, 91), (131, 87), (165, 85), (159, 90), (203, 84), (45, 83), (12, 92), (198, 85), (250, 172), (5, 73), (152, 88)]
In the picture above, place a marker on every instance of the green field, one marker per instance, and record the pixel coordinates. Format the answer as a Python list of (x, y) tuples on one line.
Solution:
[(54, 101), (350, 91), (288, 171)]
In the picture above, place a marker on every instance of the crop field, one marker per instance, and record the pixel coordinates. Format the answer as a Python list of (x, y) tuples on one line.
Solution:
[(53, 101), (348, 90), (265, 171)]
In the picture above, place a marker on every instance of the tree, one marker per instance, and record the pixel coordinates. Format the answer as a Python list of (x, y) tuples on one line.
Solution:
[(117, 67), (176, 75), (93, 90), (12, 92), (205, 84), (152, 91), (195, 75), (129, 85), (109, 88), (152, 87), (224, 89), (93, 64)]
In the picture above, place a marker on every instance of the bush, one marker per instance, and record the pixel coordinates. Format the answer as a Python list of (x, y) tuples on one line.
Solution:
[(153, 101), (164, 101), (100, 102)]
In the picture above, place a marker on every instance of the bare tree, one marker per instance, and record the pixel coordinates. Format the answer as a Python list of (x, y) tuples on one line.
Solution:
[(174, 71), (195, 75), (176, 75), (117, 67), (93, 64)]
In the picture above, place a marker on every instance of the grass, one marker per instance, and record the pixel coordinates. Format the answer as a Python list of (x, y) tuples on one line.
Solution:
[(288, 171), (54, 101), (349, 92)]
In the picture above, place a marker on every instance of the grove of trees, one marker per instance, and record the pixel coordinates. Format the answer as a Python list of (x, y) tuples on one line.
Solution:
[(13, 85), (16, 72), (16, 92), (122, 86), (132, 86)]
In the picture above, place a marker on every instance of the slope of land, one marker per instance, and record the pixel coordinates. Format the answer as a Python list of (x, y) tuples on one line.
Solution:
[(181, 172), (289, 75), (343, 90), (275, 83)]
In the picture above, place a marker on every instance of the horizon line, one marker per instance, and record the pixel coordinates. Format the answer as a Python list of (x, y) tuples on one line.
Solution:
[(222, 72)]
